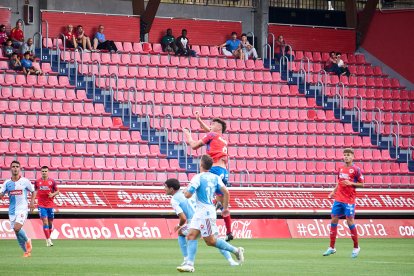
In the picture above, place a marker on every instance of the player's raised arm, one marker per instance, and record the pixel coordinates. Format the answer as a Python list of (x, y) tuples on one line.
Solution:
[(192, 143), (203, 125)]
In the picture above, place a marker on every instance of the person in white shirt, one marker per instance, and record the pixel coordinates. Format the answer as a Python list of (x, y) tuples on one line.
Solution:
[(16, 188), (183, 45), (248, 49)]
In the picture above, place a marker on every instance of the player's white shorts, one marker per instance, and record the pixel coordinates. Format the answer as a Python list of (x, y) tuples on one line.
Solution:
[(18, 218), (207, 227)]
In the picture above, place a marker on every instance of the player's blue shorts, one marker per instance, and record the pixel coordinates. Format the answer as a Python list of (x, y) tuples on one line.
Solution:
[(340, 209), (224, 175), (46, 213)]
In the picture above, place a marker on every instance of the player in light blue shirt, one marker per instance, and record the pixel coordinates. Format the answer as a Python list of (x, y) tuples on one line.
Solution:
[(185, 208), (204, 186), (16, 188)]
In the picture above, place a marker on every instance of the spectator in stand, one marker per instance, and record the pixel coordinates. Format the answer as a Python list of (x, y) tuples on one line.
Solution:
[(331, 65), (99, 42), (8, 50), (15, 63), (3, 35), (28, 67), (82, 39), (28, 47), (70, 37), (232, 47), (17, 35), (168, 42), (248, 49), (281, 48), (342, 67), (183, 45)]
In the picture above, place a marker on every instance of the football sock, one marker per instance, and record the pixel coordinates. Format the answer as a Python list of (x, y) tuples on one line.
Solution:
[(227, 221), (354, 235), (50, 226), (22, 239), (332, 234), (226, 254), (46, 231), (192, 251), (222, 244), (183, 245)]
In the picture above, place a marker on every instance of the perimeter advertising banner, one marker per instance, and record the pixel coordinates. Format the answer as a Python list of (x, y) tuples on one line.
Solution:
[(260, 201), (242, 229)]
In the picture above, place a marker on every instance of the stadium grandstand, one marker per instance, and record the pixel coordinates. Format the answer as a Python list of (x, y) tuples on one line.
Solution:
[(109, 124)]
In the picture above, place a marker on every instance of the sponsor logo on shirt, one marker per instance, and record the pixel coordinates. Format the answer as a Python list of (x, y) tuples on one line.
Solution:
[(16, 192), (44, 188), (344, 175)]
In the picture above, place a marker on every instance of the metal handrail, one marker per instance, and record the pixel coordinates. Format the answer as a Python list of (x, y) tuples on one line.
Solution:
[(166, 133), (323, 91), (360, 101), (359, 117), (265, 54), (153, 111), (410, 153), (134, 90), (58, 49), (123, 108), (372, 126), (302, 65), (185, 148), (171, 118), (320, 76), (147, 117), (246, 178), (304, 80), (398, 130), (282, 59), (341, 104), (75, 64), (380, 115), (252, 34), (40, 44), (273, 43), (290, 50), (47, 31), (396, 143), (99, 69), (116, 85)]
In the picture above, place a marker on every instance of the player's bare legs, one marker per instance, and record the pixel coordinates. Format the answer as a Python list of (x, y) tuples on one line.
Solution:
[(354, 236), (24, 242)]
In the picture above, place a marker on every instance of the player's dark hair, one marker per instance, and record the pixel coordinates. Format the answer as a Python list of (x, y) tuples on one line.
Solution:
[(206, 162), (349, 150), (243, 34), (233, 33), (44, 167), (173, 183), (222, 123), (14, 162)]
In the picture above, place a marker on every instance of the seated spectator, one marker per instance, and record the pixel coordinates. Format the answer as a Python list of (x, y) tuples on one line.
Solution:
[(331, 65), (281, 48), (70, 37), (8, 50), (28, 67), (232, 47), (28, 47), (15, 63), (83, 40), (248, 49), (342, 67), (3, 35), (183, 45), (99, 42), (17, 35), (168, 42)]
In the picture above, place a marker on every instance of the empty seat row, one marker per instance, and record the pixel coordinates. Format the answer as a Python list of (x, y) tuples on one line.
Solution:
[(19, 93), (182, 73), (354, 81), (34, 81), (51, 107), (324, 56)]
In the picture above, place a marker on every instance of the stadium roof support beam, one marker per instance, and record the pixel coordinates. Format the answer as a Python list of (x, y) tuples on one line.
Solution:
[(147, 13), (364, 20), (351, 13)]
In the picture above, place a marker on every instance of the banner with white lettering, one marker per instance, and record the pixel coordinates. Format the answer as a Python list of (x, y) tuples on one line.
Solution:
[(152, 200), (242, 229)]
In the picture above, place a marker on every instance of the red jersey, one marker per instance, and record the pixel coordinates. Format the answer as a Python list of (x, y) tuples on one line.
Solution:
[(69, 36), (43, 188), (17, 34), (344, 193), (216, 146)]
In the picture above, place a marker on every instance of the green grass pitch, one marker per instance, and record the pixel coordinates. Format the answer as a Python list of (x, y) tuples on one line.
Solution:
[(161, 257)]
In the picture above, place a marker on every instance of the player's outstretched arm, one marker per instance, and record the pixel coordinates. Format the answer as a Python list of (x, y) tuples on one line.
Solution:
[(203, 125), (193, 144), (332, 194)]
